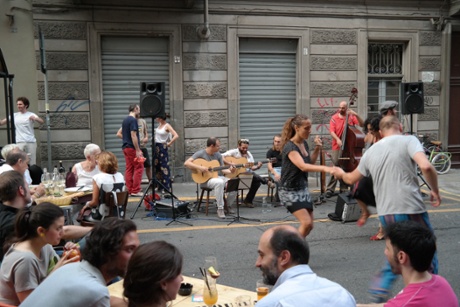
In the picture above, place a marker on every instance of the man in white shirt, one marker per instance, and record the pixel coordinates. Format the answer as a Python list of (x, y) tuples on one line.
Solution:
[(24, 127), (283, 260), (243, 152)]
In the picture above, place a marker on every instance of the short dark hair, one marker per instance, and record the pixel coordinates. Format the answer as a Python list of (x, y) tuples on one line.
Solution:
[(10, 182), (106, 240), (132, 107), (14, 156), (375, 123), (151, 264), (211, 141), (416, 240), (25, 101), (284, 239)]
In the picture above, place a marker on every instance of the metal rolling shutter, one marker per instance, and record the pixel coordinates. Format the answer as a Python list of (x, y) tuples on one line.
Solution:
[(267, 69), (127, 61)]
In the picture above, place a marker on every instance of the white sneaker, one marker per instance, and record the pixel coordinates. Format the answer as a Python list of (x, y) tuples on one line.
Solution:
[(220, 213)]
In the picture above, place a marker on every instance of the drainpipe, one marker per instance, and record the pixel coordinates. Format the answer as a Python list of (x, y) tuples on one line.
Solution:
[(203, 31)]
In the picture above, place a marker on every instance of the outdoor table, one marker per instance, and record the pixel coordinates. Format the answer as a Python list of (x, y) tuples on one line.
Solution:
[(227, 295)]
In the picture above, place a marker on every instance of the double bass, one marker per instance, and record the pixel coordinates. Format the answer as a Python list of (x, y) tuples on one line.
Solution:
[(352, 142)]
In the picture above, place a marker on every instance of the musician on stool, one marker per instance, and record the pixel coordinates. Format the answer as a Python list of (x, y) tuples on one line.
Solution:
[(242, 152), (336, 128), (212, 153)]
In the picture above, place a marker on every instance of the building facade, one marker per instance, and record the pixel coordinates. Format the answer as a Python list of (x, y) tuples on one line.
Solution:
[(232, 69)]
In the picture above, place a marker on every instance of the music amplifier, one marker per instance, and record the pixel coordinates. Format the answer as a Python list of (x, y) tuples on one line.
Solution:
[(347, 208), (163, 208)]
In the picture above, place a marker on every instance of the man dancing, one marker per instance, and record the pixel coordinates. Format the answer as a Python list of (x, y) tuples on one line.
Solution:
[(336, 128), (391, 162)]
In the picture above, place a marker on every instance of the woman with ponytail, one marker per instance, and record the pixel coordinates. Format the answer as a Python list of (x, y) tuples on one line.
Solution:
[(31, 256), (297, 162)]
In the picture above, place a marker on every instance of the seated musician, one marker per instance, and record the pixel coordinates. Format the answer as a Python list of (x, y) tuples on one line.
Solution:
[(242, 152), (211, 153), (274, 168)]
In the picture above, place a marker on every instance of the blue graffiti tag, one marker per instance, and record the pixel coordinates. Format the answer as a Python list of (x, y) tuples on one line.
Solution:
[(71, 104)]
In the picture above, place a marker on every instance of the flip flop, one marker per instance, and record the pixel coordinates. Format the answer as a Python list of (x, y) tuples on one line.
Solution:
[(376, 237)]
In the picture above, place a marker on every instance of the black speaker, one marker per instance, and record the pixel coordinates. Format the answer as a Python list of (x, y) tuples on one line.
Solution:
[(412, 98), (152, 103)]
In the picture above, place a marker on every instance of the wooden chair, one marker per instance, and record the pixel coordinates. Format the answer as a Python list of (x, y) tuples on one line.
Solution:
[(112, 204)]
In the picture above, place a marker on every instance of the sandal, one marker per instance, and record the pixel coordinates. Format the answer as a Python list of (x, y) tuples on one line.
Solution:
[(377, 237), (362, 220)]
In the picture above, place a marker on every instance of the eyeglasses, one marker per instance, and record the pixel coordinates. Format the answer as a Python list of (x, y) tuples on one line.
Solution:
[(243, 141)]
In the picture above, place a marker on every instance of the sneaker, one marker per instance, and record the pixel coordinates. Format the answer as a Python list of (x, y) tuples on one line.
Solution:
[(230, 211), (138, 194), (248, 204), (220, 213)]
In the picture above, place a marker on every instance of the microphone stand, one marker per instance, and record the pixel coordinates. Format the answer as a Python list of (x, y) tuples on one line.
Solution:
[(154, 182)]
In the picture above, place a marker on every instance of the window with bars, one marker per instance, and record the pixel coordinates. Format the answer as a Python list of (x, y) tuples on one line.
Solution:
[(384, 74)]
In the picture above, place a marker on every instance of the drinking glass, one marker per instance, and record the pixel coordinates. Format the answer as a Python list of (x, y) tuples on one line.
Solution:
[(210, 294), (47, 181), (262, 289), (243, 301), (211, 261)]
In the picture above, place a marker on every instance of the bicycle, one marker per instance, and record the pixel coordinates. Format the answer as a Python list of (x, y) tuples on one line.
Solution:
[(441, 160)]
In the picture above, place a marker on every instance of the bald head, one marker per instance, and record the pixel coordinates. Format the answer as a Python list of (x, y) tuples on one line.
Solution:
[(287, 238), (390, 125), (343, 107)]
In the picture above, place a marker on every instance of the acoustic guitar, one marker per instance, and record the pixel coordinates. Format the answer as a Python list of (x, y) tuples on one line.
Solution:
[(245, 164), (213, 168)]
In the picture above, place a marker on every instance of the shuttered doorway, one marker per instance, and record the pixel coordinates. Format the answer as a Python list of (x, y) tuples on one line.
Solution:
[(126, 62), (267, 75)]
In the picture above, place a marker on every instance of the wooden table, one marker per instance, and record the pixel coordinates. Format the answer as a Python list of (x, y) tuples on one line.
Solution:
[(227, 295)]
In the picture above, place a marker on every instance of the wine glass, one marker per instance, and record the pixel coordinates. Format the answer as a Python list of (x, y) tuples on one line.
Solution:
[(210, 294), (243, 301), (47, 180)]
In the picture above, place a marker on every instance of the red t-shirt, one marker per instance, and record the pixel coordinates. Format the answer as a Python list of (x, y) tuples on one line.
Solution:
[(433, 293), (336, 125)]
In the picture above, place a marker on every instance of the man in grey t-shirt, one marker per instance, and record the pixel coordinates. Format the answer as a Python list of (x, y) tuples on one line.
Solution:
[(392, 164), (218, 183)]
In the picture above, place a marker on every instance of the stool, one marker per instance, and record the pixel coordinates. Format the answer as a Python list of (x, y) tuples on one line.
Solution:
[(270, 189), (207, 190)]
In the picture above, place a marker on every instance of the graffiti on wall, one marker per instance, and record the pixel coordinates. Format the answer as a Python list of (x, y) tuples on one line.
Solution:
[(70, 105)]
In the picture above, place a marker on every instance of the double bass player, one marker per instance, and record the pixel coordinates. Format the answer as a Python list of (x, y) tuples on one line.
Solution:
[(336, 128)]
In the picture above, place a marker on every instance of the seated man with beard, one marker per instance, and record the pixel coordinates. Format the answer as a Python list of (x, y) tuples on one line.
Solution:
[(283, 260)]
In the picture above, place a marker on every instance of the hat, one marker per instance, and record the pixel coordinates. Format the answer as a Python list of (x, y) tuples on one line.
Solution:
[(389, 104)]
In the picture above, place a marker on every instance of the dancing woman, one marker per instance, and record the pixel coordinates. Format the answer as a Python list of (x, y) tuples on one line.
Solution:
[(162, 143), (297, 162)]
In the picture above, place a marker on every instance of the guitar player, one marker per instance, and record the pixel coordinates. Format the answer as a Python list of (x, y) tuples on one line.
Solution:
[(242, 152), (211, 153)]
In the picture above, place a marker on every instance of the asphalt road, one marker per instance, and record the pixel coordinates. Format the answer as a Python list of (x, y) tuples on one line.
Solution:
[(340, 252)]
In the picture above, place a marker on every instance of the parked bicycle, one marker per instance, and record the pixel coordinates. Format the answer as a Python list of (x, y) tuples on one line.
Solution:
[(440, 159)]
